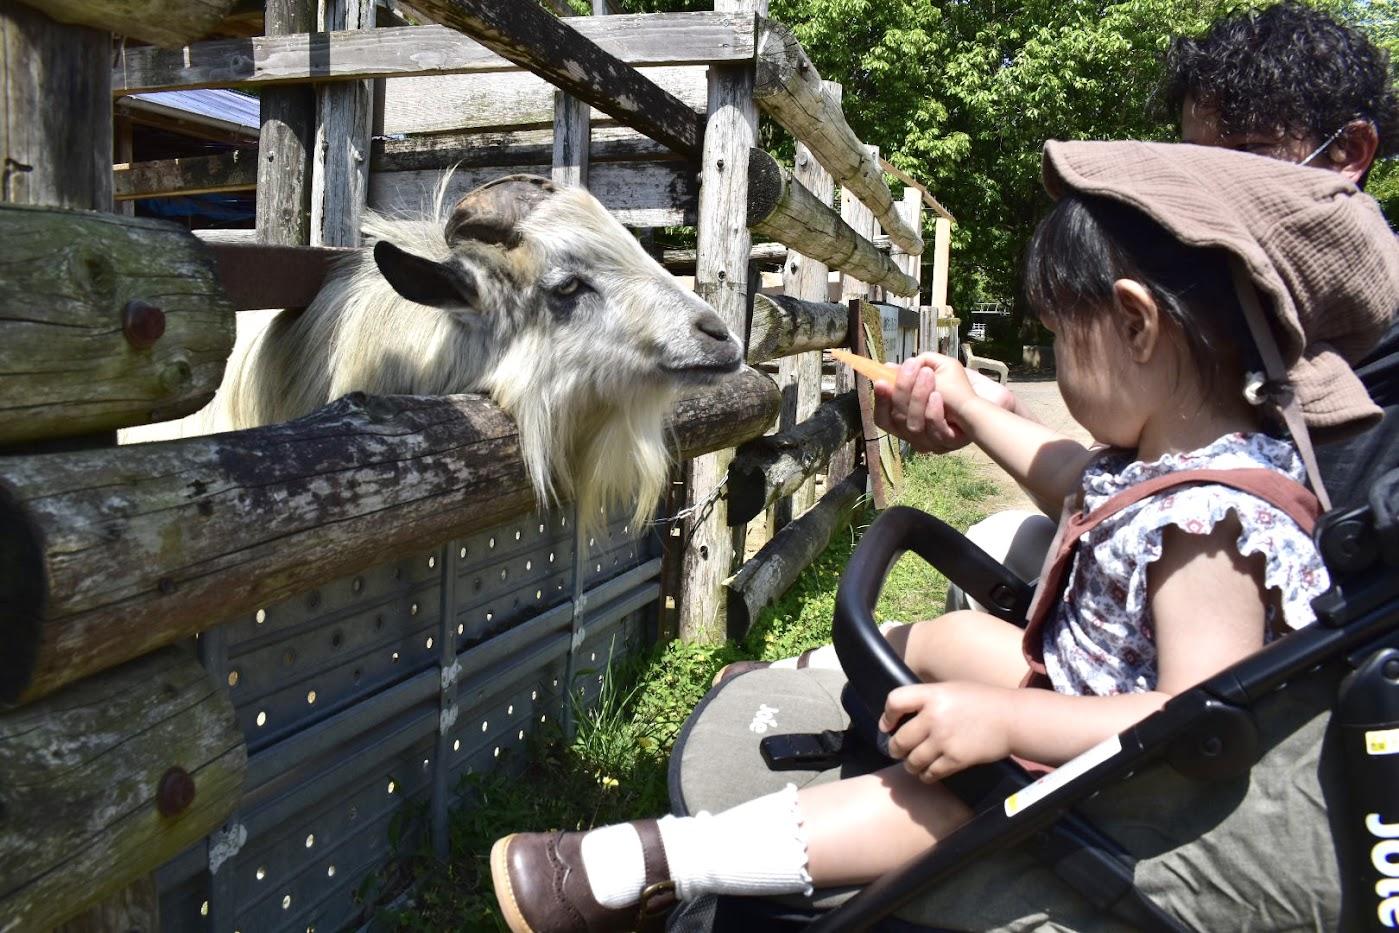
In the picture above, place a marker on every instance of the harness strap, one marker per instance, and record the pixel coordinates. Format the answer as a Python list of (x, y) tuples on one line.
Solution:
[(1287, 495)]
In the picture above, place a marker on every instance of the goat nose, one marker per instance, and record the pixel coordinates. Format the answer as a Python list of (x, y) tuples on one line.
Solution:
[(711, 325)]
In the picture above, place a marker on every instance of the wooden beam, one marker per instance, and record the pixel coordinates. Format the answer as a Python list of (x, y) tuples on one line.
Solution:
[(861, 220), (524, 147), (643, 39), (783, 325), (108, 780), (209, 527), (284, 146), (572, 138), (160, 22), (682, 261), (529, 36), (55, 112), (225, 172), (781, 209), (105, 321), (771, 572), (788, 89), (340, 154), (721, 279), (912, 182), (767, 468)]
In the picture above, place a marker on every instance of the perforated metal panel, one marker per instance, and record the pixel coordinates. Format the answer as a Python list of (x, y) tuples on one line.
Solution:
[(368, 699)]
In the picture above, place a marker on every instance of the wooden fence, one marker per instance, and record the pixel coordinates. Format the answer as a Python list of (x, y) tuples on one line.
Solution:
[(223, 684)]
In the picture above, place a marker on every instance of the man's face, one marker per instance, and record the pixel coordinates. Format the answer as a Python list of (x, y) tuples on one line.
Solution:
[(1199, 124)]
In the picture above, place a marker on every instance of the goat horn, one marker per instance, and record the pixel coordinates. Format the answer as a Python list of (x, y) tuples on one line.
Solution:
[(492, 212)]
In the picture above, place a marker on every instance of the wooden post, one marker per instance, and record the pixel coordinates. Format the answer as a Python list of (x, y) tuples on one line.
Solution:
[(937, 297), (124, 153), (55, 111), (799, 377), (911, 209), (340, 159), (721, 272), (859, 217), (572, 132), (283, 177)]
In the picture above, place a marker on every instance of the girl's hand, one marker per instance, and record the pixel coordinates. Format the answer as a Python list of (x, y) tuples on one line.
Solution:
[(954, 725), (916, 406)]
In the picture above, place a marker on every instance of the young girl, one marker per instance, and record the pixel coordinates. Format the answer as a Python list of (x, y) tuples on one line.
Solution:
[(1149, 350)]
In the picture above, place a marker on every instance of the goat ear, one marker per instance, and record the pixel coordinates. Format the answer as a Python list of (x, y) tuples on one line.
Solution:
[(492, 212), (438, 284)]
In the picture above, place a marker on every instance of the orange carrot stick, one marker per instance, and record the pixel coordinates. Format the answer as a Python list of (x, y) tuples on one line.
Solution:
[(867, 367)]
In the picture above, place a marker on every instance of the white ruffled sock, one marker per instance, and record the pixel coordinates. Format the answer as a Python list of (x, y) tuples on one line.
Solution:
[(755, 848), (825, 656)]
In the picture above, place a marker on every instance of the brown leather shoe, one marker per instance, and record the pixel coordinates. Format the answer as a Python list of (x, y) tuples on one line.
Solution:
[(542, 886)]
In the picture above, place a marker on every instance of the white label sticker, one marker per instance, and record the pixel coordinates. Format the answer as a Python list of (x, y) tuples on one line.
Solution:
[(1027, 797), (1382, 742)]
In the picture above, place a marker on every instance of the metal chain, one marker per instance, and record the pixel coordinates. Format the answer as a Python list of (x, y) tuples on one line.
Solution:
[(700, 510)]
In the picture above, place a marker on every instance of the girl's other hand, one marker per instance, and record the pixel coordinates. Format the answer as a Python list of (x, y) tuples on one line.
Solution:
[(951, 727)]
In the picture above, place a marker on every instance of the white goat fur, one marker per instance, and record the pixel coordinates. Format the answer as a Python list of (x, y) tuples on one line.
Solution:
[(586, 390)]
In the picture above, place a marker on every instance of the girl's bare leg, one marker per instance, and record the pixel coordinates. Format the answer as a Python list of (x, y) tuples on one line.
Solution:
[(963, 645), (862, 827)]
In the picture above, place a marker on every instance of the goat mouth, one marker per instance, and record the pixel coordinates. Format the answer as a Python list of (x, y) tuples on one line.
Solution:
[(702, 372)]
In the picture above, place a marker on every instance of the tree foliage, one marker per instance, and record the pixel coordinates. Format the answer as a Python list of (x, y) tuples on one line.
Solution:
[(962, 94)]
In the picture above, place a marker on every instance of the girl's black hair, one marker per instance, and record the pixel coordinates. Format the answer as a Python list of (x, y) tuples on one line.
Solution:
[(1086, 244)]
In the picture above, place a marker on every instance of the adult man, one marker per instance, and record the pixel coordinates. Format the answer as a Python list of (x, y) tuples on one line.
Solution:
[(1289, 83)]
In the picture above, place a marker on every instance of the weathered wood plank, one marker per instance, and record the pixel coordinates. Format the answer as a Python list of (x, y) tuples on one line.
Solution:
[(771, 572), (161, 22), (284, 143), (783, 326), (227, 171), (861, 220), (782, 209), (640, 194), (67, 364), (340, 156), (491, 148), (643, 39), (937, 297), (788, 89), (211, 526), (721, 278), (55, 112), (769, 255), (799, 375), (107, 780), (571, 141), (513, 100), (767, 468), (529, 36)]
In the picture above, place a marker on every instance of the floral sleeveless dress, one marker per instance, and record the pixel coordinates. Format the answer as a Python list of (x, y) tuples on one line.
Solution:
[(1100, 639)]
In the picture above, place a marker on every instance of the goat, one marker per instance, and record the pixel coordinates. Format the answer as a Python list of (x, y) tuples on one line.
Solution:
[(529, 292)]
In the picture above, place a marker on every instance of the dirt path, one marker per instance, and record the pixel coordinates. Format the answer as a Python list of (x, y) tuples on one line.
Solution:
[(1047, 405)]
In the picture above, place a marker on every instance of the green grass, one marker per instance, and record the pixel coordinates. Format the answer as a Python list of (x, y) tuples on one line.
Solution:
[(615, 767)]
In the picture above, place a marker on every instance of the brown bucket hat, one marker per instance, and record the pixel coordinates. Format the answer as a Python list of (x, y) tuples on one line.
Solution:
[(1317, 249)]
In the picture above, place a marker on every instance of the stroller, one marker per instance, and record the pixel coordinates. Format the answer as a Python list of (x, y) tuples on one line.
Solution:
[(1266, 797)]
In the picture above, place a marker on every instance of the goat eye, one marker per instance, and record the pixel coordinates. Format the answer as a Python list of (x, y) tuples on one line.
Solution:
[(568, 286)]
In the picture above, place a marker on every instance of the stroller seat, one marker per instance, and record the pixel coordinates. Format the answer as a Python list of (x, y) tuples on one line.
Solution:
[(1255, 801)]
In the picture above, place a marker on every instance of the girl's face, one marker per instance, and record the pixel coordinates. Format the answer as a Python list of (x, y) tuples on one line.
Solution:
[(1105, 388)]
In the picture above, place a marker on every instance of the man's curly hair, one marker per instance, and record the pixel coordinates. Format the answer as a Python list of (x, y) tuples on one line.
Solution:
[(1286, 67)]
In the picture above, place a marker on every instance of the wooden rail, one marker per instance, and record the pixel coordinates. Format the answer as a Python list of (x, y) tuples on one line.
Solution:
[(782, 325), (162, 22), (346, 55), (214, 174), (207, 527), (767, 468), (779, 208), (788, 88)]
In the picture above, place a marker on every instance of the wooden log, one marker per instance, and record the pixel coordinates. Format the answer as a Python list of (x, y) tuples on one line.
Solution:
[(916, 185), (160, 22), (721, 278), (489, 149), (76, 285), (640, 194), (133, 909), (340, 157), (109, 779), (571, 140), (284, 144), (215, 174), (682, 261), (783, 325), (767, 468), (789, 89), (646, 39), (529, 36), (55, 112), (799, 375), (209, 527), (781, 209), (772, 571)]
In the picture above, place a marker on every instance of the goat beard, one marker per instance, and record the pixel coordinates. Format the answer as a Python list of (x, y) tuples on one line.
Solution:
[(596, 453)]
